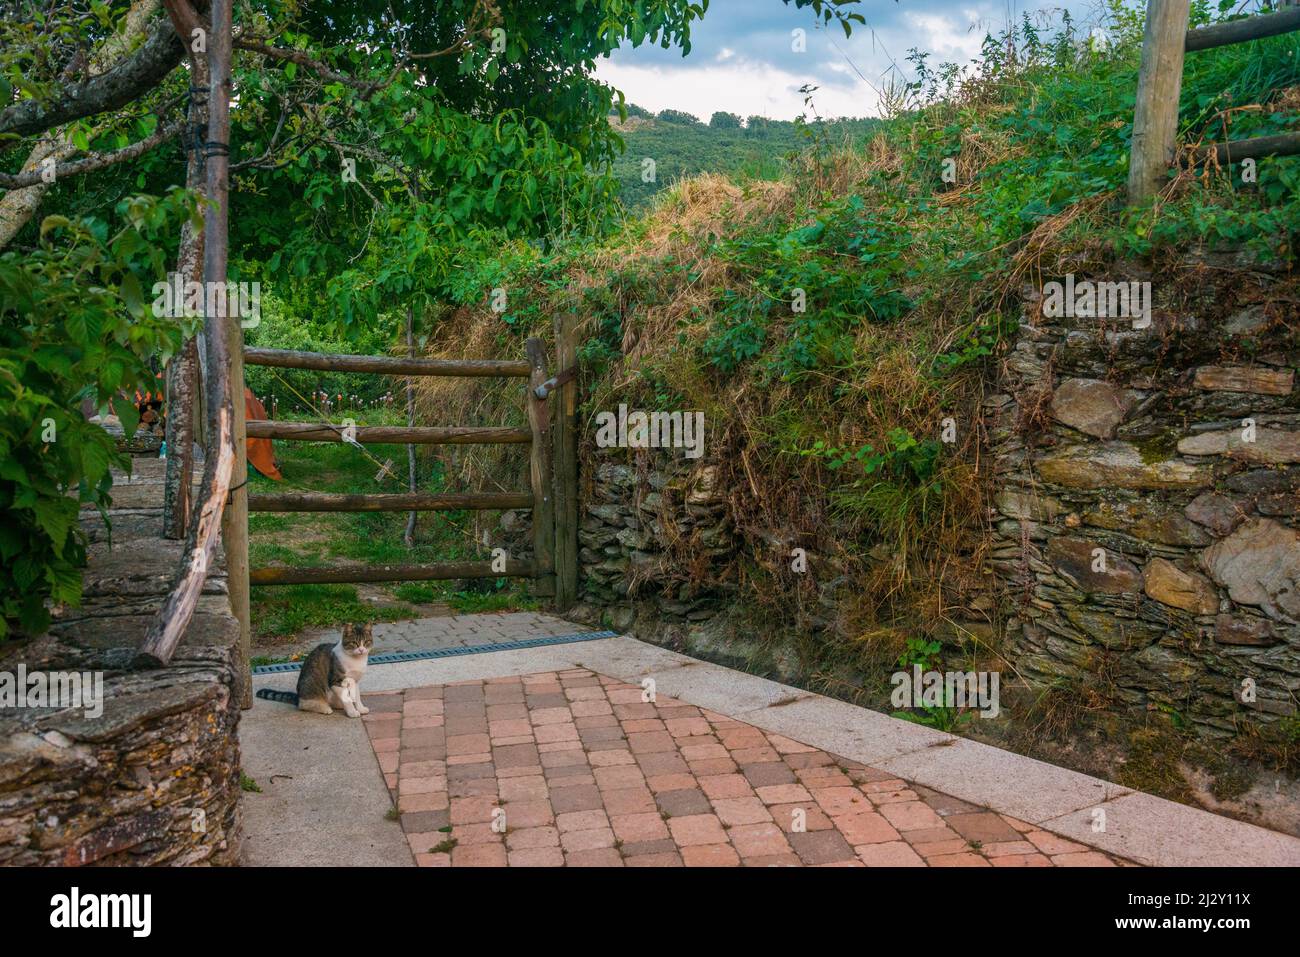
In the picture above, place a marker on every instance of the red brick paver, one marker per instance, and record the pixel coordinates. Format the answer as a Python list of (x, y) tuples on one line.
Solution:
[(575, 768)]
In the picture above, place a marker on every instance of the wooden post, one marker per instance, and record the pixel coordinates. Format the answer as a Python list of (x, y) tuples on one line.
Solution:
[(566, 466), (1160, 81), (234, 519), (409, 536), (542, 474)]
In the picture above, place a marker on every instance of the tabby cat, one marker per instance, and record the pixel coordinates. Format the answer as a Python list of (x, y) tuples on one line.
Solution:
[(331, 676)]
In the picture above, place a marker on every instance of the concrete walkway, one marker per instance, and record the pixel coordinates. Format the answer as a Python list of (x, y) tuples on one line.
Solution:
[(474, 737), (441, 632)]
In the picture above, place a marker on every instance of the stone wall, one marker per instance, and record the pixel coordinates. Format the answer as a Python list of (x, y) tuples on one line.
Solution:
[(654, 536), (154, 779), (1141, 540), (1145, 534)]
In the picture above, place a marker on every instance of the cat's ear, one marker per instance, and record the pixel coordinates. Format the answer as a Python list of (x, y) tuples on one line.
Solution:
[(347, 632), (367, 631)]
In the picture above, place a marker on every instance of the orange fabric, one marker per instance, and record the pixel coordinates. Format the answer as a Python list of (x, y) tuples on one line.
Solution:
[(261, 454)]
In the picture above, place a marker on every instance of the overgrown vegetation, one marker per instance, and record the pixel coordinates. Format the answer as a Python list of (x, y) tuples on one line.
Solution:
[(74, 326), (376, 142), (833, 323)]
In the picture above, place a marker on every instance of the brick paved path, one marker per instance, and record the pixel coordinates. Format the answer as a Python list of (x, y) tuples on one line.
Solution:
[(573, 768)]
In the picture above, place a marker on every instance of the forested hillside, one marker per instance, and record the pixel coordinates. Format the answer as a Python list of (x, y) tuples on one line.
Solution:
[(681, 145)]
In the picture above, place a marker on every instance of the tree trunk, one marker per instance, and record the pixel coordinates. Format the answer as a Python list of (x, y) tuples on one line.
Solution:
[(183, 370), (18, 206)]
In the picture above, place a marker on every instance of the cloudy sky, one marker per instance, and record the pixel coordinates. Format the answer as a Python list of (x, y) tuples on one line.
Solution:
[(742, 59)]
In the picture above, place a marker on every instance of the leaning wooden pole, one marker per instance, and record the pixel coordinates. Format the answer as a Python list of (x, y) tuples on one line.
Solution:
[(1241, 31), (385, 365), (1234, 151), (369, 502), (354, 574), (390, 434), (1160, 82), (172, 620)]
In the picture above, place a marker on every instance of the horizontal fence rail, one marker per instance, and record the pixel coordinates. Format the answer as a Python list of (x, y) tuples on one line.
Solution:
[(391, 434), (350, 574), (405, 502), (1234, 151), (386, 365), (1165, 41), (554, 573), (1239, 31)]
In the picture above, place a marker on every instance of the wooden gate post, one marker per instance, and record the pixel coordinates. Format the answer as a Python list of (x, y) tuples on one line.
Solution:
[(1160, 81), (566, 466), (234, 520), (542, 475)]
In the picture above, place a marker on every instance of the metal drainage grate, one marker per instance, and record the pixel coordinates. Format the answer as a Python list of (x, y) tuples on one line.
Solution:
[(395, 656)]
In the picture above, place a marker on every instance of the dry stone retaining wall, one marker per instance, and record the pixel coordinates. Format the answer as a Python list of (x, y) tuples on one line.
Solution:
[(155, 778), (642, 513), (1141, 538), (1146, 514)]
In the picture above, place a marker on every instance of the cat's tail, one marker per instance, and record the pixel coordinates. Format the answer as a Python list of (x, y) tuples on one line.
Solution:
[(287, 697)]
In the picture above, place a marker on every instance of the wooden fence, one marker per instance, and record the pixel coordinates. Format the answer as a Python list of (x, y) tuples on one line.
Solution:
[(553, 575), (1160, 81)]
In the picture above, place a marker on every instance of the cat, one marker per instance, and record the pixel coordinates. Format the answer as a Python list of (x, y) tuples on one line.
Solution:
[(331, 676)]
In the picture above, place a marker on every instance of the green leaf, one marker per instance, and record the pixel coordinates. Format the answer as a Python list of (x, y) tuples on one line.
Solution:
[(56, 516), (95, 459), (65, 582), (54, 222), (132, 295), (128, 415)]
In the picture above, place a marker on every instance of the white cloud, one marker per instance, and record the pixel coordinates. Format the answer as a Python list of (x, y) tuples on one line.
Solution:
[(744, 88), (945, 38), (742, 62)]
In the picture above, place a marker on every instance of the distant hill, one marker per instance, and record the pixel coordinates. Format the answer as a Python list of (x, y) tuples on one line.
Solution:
[(681, 145)]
